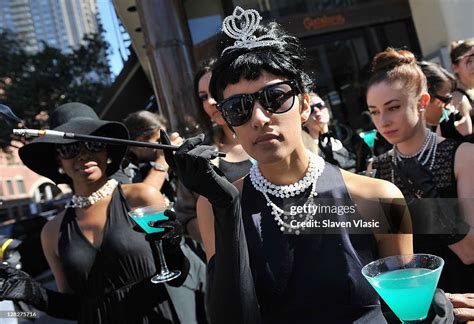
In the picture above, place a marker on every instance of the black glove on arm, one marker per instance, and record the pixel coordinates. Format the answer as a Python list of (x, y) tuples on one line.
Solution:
[(191, 163), (417, 176), (231, 296), (17, 285), (431, 214)]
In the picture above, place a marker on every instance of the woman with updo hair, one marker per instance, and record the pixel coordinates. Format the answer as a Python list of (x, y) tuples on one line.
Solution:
[(424, 165), (440, 113), (462, 60)]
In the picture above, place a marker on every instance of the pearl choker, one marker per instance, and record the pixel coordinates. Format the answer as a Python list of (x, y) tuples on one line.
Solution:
[(86, 201), (315, 169), (425, 154)]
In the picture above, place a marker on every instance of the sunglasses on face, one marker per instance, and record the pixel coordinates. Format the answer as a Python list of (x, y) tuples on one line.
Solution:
[(276, 98), (319, 105), (446, 100), (70, 151), (203, 97)]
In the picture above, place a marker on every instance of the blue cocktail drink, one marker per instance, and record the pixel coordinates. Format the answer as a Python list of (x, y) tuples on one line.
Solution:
[(406, 283), (143, 217), (144, 222)]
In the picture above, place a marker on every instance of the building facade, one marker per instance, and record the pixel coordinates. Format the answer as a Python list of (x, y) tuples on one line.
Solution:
[(23, 193), (59, 23), (341, 38)]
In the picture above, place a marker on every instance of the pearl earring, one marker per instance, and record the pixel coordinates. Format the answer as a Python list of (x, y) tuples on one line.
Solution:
[(422, 109), (109, 160), (234, 136), (61, 170)]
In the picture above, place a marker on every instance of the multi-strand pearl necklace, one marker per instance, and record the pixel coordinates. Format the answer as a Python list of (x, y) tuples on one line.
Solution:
[(86, 201), (425, 154), (315, 168)]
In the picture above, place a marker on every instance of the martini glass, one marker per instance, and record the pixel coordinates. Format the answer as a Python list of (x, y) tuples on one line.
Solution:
[(143, 217), (406, 283)]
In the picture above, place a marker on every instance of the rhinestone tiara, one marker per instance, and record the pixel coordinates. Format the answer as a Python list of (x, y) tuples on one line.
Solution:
[(241, 25)]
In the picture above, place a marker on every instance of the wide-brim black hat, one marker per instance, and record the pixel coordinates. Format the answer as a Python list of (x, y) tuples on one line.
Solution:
[(40, 155)]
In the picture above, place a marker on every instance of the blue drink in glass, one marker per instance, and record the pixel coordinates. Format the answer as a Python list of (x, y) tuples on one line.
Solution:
[(407, 283), (143, 217)]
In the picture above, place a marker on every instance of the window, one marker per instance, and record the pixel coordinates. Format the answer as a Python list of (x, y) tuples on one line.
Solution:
[(20, 184), (9, 183)]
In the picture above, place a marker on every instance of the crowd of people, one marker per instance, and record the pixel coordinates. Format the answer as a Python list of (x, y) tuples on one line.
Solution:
[(230, 221)]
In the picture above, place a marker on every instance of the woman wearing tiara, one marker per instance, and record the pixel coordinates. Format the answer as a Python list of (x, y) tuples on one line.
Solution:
[(102, 266), (259, 268), (424, 165)]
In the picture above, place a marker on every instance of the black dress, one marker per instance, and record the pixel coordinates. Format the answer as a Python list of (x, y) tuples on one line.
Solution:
[(113, 281), (456, 276), (448, 130), (309, 278)]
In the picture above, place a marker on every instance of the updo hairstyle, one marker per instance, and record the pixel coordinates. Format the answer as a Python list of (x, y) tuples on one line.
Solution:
[(398, 67)]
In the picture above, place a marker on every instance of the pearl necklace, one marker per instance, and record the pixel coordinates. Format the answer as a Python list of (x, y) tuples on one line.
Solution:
[(315, 169), (425, 154), (86, 201)]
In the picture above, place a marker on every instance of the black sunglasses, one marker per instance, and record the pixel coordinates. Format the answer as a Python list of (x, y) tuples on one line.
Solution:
[(276, 98), (70, 151), (319, 105), (446, 100), (203, 97)]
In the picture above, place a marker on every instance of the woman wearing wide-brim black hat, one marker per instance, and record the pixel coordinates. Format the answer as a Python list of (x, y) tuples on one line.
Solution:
[(40, 155), (102, 266)]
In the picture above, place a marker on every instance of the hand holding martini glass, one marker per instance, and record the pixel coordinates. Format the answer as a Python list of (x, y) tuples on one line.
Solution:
[(144, 217), (406, 283)]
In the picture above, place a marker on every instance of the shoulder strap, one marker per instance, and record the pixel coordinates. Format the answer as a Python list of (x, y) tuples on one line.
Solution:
[(122, 197)]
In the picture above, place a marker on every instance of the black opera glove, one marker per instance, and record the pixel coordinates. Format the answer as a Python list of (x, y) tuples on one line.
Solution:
[(192, 164), (17, 285), (417, 176), (440, 216)]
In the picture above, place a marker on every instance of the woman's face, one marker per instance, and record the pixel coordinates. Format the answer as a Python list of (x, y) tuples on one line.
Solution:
[(464, 68), (435, 107), (146, 153), (394, 111), (268, 137), (208, 103), (319, 113), (86, 167)]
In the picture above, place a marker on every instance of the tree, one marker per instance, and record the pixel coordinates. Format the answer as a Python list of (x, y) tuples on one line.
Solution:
[(34, 82)]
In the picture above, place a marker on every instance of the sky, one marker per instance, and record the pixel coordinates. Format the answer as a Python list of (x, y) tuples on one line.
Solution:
[(109, 21)]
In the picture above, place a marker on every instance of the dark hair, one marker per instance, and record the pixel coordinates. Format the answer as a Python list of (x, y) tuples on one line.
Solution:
[(458, 48), (206, 66), (284, 58), (394, 65), (144, 123), (215, 133), (436, 76)]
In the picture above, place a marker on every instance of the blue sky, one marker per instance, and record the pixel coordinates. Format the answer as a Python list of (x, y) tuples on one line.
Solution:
[(109, 21)]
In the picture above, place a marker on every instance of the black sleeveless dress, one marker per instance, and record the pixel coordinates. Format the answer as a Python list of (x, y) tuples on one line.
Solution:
[(309, 278), (456, 276), (112, 281)]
